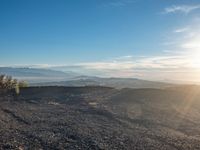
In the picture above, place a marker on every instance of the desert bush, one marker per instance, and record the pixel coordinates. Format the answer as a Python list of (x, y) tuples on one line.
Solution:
[(23, 84), (7, 83), (17, 89), (2, 81)]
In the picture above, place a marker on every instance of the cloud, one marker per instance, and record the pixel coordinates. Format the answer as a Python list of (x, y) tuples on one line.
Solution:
[(141, 67), (181, 9), (118, 3), (158, 67), (189, 38), (181, 30), (187, 45)]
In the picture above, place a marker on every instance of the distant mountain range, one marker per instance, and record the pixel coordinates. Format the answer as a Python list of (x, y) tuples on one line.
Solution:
[(108, 82), (35, 75), (47, 77)]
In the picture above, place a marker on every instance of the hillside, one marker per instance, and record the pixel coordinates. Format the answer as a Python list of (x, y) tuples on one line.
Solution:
[(100, 118)]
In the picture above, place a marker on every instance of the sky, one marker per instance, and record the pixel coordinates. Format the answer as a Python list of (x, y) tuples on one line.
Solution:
[(148, 39)]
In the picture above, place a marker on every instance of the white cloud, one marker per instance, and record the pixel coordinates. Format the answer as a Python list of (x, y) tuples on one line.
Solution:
[(181, 30), (192, 44), (189, 39), (142, 67), (181, 8), (188, 45), (167, 66), (118, 3)]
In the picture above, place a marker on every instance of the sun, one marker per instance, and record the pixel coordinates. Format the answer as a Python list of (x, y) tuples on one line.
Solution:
[(195, 59), (192, 49)]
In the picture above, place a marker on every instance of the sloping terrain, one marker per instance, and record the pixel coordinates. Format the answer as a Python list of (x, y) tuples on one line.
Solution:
[(100, 118)]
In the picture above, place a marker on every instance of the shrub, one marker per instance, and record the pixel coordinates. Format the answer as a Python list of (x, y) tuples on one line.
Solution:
[(17, 89), (7, 83), (2, 81), (23, 84)]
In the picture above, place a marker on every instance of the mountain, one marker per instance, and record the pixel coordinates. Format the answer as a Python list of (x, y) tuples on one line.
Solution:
[(108, 82), (48, 77), (33, 75)]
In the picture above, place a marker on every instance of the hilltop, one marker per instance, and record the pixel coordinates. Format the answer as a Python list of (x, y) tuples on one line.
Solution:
[(100, 118)]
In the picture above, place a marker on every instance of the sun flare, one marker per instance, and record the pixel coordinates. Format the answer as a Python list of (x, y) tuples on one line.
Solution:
[(195, 59)]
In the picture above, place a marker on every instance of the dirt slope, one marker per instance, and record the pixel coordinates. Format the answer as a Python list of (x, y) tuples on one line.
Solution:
[(100, 118)]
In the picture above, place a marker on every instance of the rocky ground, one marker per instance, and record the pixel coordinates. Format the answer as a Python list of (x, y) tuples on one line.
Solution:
[(100, 118)]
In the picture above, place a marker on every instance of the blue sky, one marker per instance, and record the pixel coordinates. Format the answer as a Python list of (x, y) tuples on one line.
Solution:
[(131, 35)]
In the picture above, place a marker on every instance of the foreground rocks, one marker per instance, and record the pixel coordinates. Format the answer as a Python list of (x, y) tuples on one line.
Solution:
[(100, 118)]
